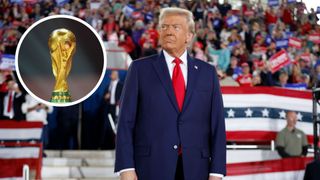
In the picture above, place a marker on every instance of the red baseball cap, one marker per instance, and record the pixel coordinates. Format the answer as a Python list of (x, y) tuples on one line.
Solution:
[(244, 64)]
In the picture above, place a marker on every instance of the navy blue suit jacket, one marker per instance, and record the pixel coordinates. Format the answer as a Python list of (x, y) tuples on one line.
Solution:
[(151, 126)]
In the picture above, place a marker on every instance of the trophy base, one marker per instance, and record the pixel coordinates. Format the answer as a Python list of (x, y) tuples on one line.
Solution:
[(60, 97)]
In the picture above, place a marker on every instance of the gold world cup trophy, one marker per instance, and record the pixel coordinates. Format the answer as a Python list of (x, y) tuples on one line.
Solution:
[(62, 45)]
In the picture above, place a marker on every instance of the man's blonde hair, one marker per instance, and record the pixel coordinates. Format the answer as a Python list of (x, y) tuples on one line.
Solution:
[(178, 11)]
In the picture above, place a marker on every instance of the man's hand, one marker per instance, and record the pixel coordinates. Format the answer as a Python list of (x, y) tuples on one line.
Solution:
[(107, 96), (128, 175), (214, 178)]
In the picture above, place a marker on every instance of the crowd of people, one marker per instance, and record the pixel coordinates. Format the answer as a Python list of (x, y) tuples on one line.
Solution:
[(239, 42)]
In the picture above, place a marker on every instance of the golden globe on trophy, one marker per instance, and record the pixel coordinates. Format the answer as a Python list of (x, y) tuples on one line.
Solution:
[(62, 45)]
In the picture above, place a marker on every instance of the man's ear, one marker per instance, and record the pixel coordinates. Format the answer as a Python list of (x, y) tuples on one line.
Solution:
[(189, 37)]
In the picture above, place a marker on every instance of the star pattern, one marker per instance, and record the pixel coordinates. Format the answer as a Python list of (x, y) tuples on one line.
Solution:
[(231, 113), (248, 112), (265, 112), (299, 116), (282, 114)]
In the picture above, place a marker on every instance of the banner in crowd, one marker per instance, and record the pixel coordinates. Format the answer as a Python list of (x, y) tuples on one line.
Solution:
[(291, 1), (297, 86), (268, 39), (273, 2), (259, 51), (7, 62), (315, 37), (279, 60), (288, 34), (295, 42), (128, 10), (149, 16), (233, 44), (216, 23), (233, 20), (249, 13), (95, 5), (305, 56), (16, 1), (259, 113), (282, 43), (62, 2), (22, 1)]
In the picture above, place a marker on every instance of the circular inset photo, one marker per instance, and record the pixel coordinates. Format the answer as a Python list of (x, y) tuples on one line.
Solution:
[(60, 60)]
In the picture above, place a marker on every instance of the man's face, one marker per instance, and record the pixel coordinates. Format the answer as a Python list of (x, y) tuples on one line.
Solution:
[(234, 62), (11, 85), (114, 75), (291, 119), (174, 33), (246, 69), (283, 78)]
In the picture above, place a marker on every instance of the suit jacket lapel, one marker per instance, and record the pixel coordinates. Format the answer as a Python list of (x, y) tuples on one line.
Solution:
[(161, 68), (192, 77)]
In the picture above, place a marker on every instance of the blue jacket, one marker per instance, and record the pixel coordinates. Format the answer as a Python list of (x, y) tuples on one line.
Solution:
[(151, 126)]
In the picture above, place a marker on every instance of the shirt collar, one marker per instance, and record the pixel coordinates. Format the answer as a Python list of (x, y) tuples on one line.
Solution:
[(169, 58), (114, 81), (293, 130)]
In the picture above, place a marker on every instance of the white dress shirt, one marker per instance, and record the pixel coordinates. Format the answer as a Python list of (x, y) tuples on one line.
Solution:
[(184, 68), (6, 112), (112, 90), (184, 65), (39, 115)]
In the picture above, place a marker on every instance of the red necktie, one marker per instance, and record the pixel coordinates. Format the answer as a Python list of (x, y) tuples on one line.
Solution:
[(178, 83), (179, 88), (9, 102)]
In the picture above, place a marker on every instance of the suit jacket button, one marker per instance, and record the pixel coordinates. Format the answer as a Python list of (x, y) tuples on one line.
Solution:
[(175, 147)]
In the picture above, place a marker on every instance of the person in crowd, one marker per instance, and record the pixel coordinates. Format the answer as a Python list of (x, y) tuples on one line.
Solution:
[(291, 141), (224, 8), (110, 107), (228, 80), (283, 79), (235, 68), (295, 73), (112, 95), (126, 42), (11, 101), (36, 111), (245, 79), (256, 80), (265, 74)]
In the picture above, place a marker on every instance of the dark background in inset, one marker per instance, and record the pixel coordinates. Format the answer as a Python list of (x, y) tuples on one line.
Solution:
[(35, 60)]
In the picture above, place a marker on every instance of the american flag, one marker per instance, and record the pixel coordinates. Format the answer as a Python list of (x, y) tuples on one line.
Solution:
[(20, 144), (259, 113), (256, 114)]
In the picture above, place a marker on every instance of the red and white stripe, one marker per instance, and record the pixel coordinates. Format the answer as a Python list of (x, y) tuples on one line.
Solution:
[(13, 130)]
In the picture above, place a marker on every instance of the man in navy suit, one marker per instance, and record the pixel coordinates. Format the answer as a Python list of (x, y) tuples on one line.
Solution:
[(171, 121), (112, 95)]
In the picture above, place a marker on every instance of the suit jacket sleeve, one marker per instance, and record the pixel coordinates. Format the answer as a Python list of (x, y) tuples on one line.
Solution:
[(127, 118), (119, 91), (218, 133)]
